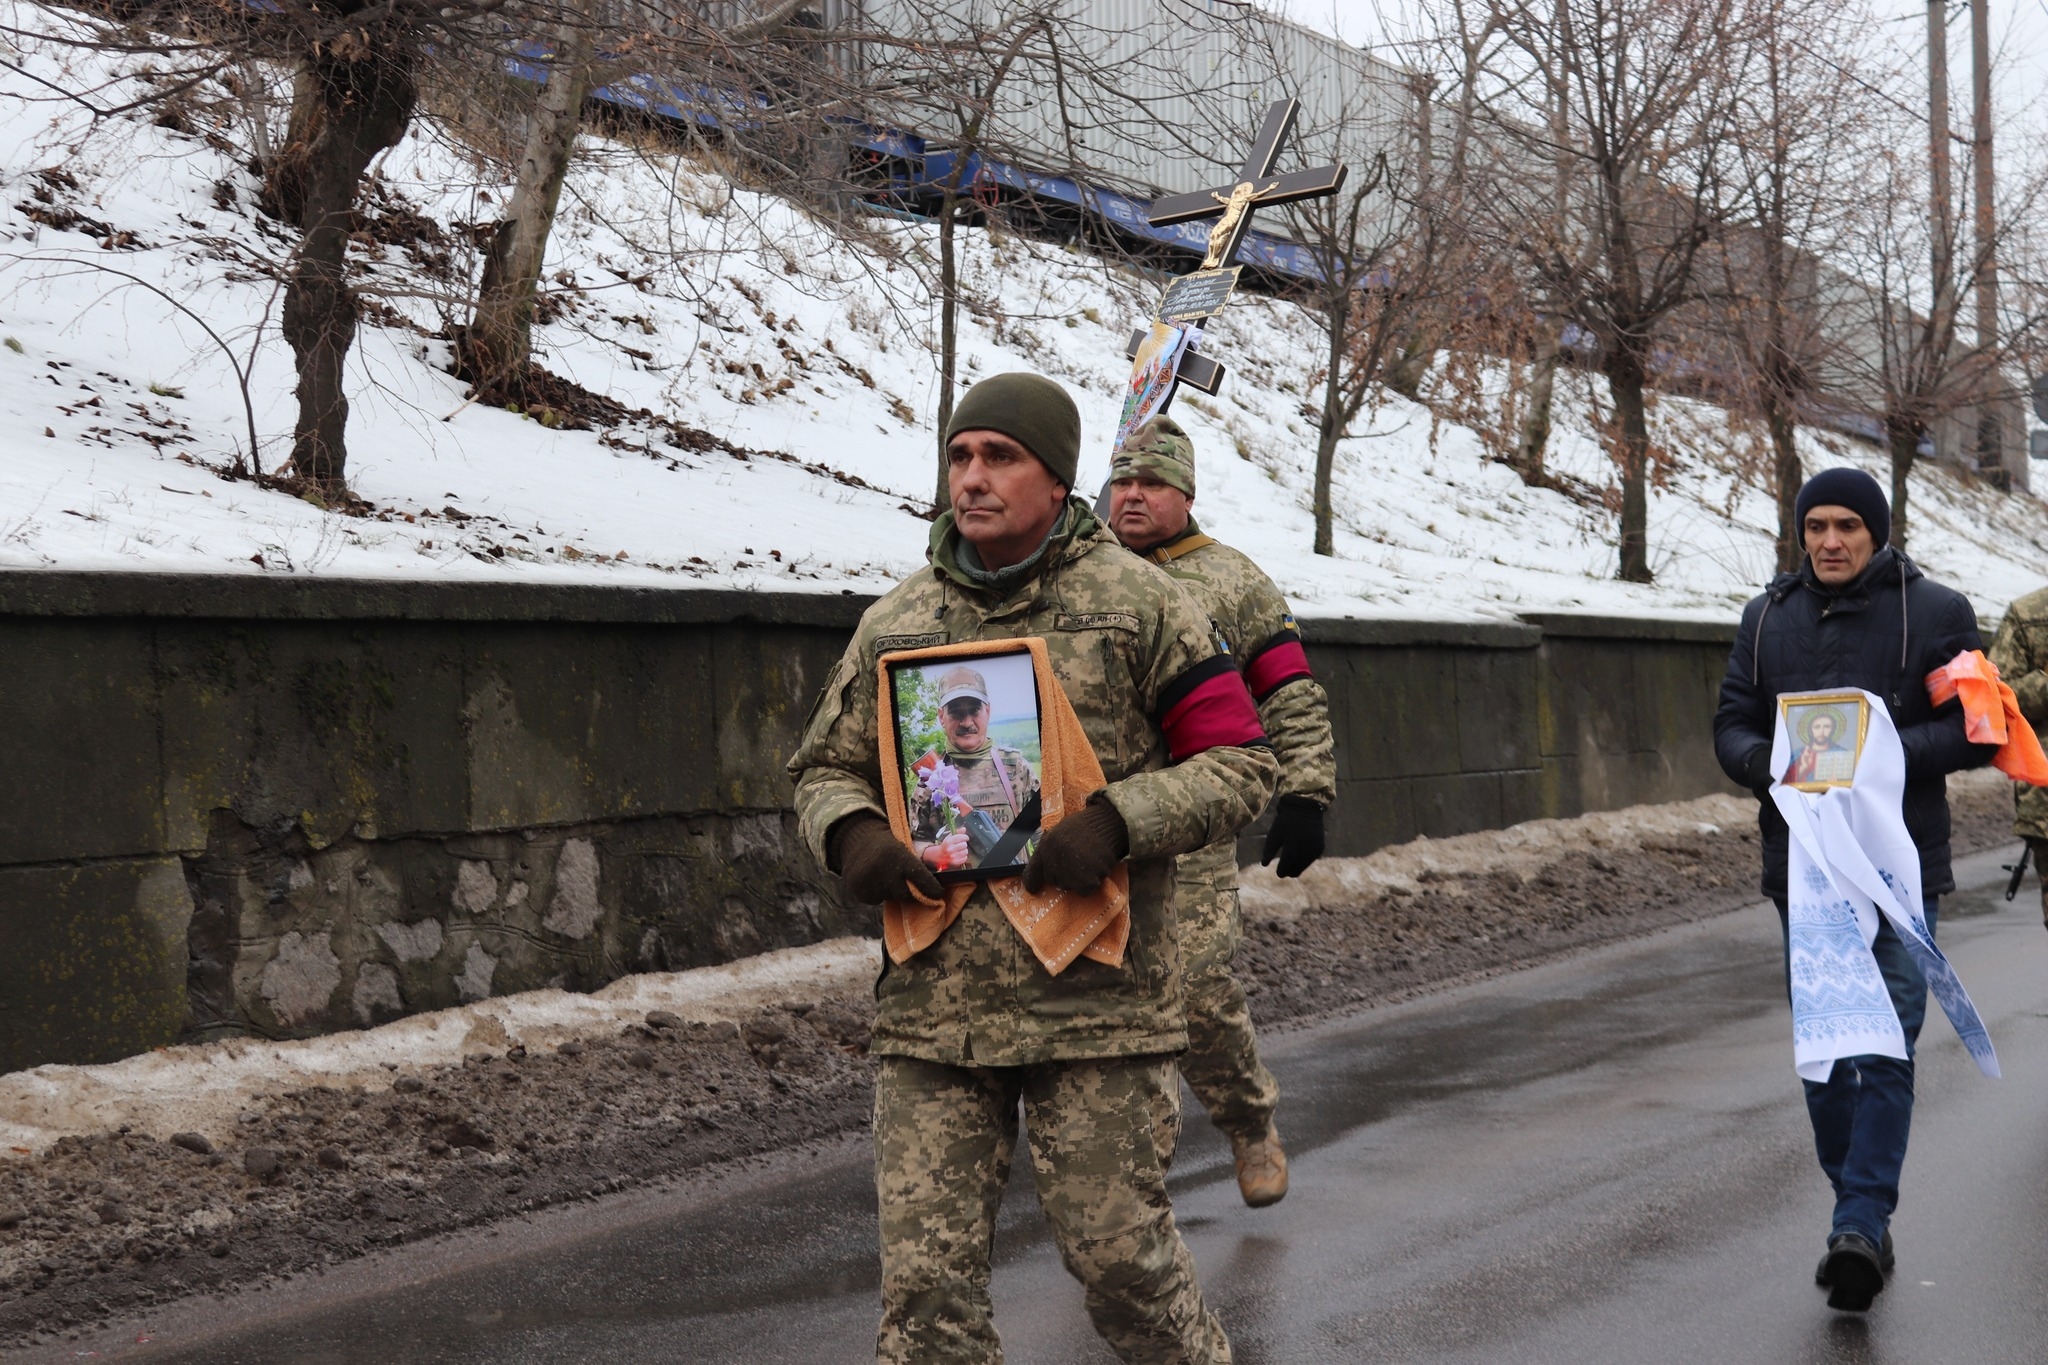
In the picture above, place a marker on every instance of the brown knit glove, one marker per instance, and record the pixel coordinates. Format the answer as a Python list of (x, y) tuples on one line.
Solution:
[(873, 865), (1077, 853)]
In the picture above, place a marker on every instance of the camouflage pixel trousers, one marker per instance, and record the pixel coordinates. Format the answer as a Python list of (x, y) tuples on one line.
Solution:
[(1102, 1134), (1222, 1063)]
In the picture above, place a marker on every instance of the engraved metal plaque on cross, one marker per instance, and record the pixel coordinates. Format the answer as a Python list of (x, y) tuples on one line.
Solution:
[(1204, 293)]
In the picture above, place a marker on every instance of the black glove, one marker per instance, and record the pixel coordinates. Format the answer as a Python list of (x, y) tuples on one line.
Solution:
[(1757, 777), (873, 865), (1296, 837), (1077, 853)]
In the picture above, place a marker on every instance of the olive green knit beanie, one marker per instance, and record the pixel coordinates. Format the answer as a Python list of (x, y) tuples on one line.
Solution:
[(1032, 411)]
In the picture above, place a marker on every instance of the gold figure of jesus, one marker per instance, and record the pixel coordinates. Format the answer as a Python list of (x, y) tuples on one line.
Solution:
[(1234, 205)]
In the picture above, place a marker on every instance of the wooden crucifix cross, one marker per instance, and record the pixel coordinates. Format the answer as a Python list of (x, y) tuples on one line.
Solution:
[(1232, 206), (1256, 187)]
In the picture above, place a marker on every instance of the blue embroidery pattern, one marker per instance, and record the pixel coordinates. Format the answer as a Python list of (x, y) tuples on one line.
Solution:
[(1944, 985), (1838, 993)]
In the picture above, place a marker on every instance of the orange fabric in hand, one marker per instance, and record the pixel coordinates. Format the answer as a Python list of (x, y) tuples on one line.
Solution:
[(1991, 715), (1058, 925)]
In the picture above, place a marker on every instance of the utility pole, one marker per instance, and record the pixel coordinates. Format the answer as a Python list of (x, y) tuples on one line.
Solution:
[(1990, 437), (1941, 221)]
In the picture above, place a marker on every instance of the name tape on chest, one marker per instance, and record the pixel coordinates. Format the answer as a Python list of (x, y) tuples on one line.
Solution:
[(887, 644), (1098, 620)]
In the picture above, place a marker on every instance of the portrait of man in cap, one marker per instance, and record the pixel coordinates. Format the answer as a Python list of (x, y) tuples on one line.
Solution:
[(971, 788)]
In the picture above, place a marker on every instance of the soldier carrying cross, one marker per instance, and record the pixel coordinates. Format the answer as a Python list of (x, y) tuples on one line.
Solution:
[(973, 1026), (1149, 504)]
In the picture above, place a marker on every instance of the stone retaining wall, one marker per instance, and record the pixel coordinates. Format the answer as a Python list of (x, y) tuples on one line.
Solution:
[(286, 806), (1444, 729)]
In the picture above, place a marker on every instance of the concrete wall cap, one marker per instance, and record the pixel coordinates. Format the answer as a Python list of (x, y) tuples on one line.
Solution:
[(1587, 626), (1398, 632), (48, 593), (44, 593)]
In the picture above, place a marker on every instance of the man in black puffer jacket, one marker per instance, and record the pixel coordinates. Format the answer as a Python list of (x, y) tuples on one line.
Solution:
[(1857, 614)]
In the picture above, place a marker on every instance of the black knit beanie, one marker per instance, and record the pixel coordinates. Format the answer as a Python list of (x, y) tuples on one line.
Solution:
[(1850, 488), (1032, 411)]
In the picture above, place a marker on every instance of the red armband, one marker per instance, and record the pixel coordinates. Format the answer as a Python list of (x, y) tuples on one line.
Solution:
[(1276, 663), (1207, 707)]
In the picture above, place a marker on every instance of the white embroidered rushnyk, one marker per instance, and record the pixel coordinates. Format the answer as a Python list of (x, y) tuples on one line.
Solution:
[(1850, 861)]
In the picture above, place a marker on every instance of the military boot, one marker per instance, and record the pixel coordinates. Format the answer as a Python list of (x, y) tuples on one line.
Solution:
[(1261, 1167)]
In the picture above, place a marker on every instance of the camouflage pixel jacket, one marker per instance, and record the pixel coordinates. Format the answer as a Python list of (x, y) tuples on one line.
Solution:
[(1254, 621), (2021, 653), (1124, 642), (996, 781)]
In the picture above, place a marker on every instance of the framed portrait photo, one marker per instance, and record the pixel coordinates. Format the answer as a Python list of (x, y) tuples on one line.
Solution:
[(969, 754), (1826, 731)]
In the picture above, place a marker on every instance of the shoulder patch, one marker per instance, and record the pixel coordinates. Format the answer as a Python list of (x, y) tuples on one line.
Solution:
[(888, 644), (1098, 620)]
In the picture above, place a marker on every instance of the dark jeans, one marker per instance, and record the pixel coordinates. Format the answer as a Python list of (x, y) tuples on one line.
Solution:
[(1862, 1112)]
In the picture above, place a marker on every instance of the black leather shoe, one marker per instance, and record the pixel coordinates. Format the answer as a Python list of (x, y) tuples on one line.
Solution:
[(1886, 1259), (1853, 1272)]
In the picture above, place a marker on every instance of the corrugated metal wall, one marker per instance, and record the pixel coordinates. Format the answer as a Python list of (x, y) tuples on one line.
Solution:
[(1157, 98)]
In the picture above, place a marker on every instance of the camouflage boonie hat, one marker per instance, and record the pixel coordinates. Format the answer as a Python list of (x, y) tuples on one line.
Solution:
[(1159, 450), (962, 682)]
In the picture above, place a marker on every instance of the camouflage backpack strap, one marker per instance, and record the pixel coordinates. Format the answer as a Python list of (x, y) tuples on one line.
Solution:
[(1166, 554), (995, 756)]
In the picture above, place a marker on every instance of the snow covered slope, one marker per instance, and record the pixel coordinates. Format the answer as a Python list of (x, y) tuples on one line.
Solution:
[(136, 276)]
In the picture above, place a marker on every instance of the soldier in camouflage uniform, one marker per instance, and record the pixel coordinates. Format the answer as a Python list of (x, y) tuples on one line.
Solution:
[(995, 781), (974, 1026), (1152, 495), (2021, 653)]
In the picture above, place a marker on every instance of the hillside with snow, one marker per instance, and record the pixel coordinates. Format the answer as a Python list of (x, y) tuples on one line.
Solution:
[(779, 388)]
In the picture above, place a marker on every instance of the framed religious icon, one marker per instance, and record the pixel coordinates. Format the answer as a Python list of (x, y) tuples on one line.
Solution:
[(1826, 730), (967, 746), (1153, 371)]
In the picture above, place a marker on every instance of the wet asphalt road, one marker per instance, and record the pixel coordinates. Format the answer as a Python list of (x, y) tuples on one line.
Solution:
[(1604, 1159)]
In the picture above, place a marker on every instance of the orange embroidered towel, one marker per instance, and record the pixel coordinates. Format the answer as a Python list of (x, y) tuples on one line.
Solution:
[(1991, 715), (1058, 925)]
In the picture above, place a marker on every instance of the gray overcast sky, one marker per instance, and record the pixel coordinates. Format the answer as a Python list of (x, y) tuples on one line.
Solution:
[(2019, 38)]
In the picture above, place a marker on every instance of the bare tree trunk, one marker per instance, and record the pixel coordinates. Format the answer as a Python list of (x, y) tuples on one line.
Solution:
[(949, 331), (1902, 434), (1411, 366), (498, 345), (285, 172), (363, 106), (1625, 380), (1331, 430), (256, 108), (1786, 475), (1535, 434), (949, 265)]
